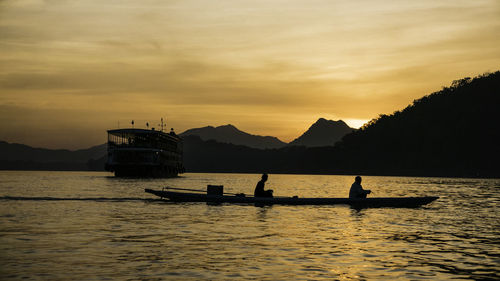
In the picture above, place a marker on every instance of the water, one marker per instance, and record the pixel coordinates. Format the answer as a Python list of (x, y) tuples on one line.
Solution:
[(115, 231)]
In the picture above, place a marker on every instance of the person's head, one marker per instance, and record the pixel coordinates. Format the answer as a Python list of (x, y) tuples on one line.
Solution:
[(264, 177), (357, 179)]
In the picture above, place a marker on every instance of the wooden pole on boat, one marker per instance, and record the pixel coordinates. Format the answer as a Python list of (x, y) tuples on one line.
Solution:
[(196, 190), (230, 193)]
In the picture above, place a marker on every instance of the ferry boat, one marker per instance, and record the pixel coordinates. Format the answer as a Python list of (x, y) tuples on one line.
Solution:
[(144, 153)]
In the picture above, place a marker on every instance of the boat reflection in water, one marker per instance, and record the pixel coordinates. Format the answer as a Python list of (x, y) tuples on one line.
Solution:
[(144, 153)]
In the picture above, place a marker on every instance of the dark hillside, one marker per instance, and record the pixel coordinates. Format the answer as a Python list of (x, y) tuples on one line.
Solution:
[(212, 156), (452, 132)]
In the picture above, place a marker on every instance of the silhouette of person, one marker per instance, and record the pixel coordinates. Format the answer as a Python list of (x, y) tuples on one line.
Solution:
[(259, 189), (357, 190)]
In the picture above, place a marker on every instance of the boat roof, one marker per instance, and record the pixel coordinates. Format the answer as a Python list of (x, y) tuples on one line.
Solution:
[(134, 132)]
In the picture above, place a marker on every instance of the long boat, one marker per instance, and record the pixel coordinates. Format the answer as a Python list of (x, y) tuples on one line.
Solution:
[(374, 202)]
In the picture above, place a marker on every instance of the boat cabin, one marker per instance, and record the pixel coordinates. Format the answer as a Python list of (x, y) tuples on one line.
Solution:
[(144, 152)]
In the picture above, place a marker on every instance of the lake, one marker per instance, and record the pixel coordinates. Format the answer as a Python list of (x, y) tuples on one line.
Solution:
[(116, 231)]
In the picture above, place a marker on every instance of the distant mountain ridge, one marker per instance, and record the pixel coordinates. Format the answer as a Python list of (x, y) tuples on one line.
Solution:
[(19, 156), (230, 134), (15, 151), (22, 157), (323, 133)]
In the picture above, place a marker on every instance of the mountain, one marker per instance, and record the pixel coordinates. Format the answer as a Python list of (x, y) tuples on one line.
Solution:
[(230, 134), (323, 133), (20, 156)]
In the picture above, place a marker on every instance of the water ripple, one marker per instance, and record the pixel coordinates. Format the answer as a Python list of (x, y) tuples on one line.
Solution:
[(62, 226)]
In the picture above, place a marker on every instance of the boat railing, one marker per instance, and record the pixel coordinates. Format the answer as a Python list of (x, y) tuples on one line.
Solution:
[(141, 145)]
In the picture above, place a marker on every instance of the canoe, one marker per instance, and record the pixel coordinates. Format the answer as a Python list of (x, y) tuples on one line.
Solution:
[(394, 202)]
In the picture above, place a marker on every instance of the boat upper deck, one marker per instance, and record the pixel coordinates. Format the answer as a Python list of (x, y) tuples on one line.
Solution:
[(142, 138)]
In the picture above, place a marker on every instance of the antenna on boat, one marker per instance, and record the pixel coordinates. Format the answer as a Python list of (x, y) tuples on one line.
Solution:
[(132, 123), (162, 125), (147, 125)]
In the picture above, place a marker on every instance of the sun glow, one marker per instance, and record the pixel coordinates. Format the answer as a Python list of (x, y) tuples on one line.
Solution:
[(356, 123)]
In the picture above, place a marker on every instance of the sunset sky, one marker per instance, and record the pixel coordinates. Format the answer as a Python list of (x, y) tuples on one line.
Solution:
[(70, 70)]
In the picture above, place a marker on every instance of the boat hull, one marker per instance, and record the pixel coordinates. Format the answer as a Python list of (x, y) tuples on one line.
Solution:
[(395, 202), (145, 171)]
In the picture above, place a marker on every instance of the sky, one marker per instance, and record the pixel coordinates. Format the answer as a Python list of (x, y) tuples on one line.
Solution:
[(70, 70)]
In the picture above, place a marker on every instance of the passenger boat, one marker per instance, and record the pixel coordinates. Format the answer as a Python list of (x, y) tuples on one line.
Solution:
[(144, 153), (218, 197)]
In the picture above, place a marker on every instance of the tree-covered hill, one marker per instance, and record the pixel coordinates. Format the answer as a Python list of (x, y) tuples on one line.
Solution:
[(453, 132)]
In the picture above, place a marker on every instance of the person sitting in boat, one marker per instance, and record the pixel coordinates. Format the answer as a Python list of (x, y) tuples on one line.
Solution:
[(259, 189), (357, 190)]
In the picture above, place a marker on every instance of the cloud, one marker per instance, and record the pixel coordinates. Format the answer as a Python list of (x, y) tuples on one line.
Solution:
[(262, 65)]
